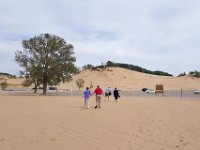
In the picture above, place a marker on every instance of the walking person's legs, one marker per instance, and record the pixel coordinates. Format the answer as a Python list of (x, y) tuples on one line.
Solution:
[(98, 101), (87, 103), (107, 96), (116, 97)]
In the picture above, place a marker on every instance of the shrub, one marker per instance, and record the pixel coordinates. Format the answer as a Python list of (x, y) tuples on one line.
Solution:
[(80, 83), (4, 84)]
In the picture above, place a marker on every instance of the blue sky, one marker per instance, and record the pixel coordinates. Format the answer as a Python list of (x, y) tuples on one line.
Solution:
[(154, 34)]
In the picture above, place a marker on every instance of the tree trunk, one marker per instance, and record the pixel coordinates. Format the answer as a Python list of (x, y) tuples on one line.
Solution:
[(45, 81), (45, 86), (35, 88)]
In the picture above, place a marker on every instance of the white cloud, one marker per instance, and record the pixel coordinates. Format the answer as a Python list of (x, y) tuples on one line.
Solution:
[(158, 35)]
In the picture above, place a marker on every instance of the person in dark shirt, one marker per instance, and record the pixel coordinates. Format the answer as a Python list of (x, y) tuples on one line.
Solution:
[(116, 94)]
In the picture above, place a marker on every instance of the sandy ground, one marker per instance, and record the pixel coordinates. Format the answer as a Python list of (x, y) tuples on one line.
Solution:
[(134, 123)]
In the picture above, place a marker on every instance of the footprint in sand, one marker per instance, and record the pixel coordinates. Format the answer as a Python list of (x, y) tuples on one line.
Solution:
[(129, 142), (2, 140), (129, 145), (177, 146), (181, 140), (52, 139), (37, 140), (186, 143)]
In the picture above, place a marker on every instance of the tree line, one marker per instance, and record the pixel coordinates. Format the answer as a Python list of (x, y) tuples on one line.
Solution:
[(7, 75), (126, 66)]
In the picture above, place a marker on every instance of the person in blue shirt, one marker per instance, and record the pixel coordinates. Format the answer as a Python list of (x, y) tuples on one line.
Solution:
[(87, 95)]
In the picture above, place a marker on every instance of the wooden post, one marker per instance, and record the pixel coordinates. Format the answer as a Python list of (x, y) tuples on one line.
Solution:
[(159, 89)]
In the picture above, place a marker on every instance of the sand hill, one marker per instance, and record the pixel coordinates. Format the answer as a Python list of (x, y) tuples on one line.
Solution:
[(14, 82), (125, 79)]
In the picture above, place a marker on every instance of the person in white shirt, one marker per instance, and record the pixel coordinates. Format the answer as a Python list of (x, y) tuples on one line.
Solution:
[(107, 93)]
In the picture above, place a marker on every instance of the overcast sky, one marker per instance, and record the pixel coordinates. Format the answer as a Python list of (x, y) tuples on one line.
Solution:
[(154, 34)]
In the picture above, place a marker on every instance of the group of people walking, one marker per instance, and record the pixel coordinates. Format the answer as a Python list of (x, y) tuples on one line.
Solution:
[(99, 92)]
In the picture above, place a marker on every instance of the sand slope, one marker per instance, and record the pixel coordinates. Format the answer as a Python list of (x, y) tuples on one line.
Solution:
[(131, 80)]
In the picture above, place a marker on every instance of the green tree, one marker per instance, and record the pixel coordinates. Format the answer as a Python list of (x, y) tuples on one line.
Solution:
[(195, 74), (47, 58), (91, 85), (27, 83), (88, 66), (32, 75), (80, 83)]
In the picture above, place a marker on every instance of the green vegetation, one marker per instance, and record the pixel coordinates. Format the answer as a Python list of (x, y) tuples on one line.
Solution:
[(47, 59), (195, 74), (126, 66), (137, 68), (88, 66), (27, 83), (91, 86), (7, 75), (3, 83), (80, 83)]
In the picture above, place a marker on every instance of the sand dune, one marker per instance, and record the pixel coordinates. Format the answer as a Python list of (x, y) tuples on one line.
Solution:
[(132, 80), (13, 81), (125, 79)]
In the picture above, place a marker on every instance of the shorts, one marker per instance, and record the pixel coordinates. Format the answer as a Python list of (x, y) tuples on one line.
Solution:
[(107, 94)]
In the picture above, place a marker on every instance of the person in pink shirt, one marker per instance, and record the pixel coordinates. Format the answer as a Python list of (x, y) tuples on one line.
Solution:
[(98, 91)]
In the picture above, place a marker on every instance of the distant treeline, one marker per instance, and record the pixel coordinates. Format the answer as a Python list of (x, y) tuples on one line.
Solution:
[(126, 66), (7, 75), (194, 74), (191, 73)]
